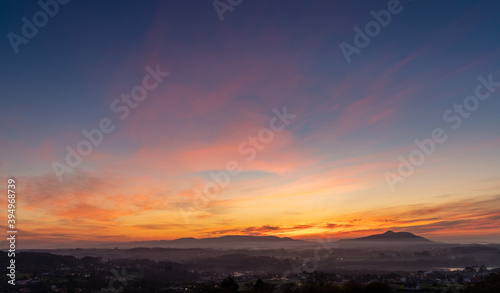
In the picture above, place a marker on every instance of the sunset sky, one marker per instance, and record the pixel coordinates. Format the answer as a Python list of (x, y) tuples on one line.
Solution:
[(321, 173)]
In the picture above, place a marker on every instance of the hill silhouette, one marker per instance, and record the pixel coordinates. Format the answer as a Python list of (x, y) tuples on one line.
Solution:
[(389, 238), (224, 242)]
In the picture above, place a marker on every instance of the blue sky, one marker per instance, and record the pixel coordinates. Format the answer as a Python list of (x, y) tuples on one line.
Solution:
[(352, 121)]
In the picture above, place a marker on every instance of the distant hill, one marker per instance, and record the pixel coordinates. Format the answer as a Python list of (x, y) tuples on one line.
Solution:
[(389, 238), (224, 242)]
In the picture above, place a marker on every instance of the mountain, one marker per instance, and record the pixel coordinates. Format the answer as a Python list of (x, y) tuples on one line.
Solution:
[(224, 242), (388, 238), (391, 236)]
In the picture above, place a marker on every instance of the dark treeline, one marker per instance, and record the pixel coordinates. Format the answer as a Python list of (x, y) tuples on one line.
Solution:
[(316, 282), (45, 272), (319, 283), (50, 273)]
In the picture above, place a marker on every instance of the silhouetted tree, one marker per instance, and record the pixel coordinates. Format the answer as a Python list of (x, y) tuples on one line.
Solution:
[(377, 287), (320, 278), (229, 285), (353, 287), (489, 285), (208, 287), (262, 287)]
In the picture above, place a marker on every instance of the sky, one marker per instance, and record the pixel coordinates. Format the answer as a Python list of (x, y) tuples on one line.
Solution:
[(129, 121)]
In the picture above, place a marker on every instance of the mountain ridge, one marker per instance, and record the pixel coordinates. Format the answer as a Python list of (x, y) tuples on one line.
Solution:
[(390, 236), (271, 241), (227, 241), (388, 239)]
